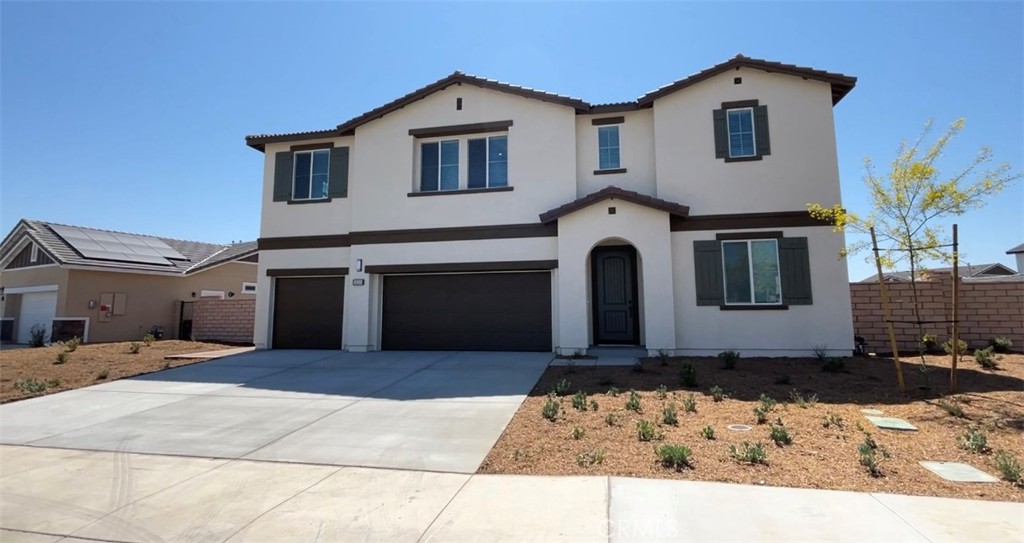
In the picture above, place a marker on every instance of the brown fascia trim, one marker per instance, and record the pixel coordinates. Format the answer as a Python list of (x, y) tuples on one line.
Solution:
[(609, 172), (304, 242), (260, 142), (460, 129), (741, 221), (607, 120), (306, 272), (744, 158), (449, 267), (460, 191), (753, 307), (775, 234), (671, 208), (740, 103), (313, 146), (621, 107)]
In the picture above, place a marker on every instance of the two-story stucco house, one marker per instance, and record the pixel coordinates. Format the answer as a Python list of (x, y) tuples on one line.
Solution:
[(477, 215)]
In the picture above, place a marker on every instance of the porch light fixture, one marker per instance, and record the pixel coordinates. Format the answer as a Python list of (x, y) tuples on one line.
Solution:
[(359, 264)]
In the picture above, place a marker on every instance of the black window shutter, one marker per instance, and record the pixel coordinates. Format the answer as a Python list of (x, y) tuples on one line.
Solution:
[(338, 183), (795, 269), (721, 134), (283, 176), (707, 272), (764, 145)]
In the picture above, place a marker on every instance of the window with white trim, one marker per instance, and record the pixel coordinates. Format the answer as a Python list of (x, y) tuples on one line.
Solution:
[(441, 168), (488, 162), (751, 272), (741, 132), (608, 147), (34, 256), (248, 288), (311, 174)]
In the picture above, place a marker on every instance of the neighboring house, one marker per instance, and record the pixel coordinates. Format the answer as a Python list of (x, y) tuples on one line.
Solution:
[(966, 271), (111, 286), (472, 214), (1018, 253)]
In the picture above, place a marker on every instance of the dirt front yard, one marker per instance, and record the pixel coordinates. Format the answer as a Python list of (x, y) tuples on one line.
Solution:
[(819, 410), (36, 371)]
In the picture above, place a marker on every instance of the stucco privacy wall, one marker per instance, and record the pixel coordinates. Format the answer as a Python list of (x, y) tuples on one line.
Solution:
[(636, 153), (708, 330), (987, 307), (223, 320), (802, 168)]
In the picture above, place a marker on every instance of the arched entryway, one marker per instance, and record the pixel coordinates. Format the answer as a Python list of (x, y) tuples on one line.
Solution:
[(615, 300)]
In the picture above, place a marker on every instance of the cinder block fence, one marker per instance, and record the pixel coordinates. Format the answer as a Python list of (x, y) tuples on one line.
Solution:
[(988, 307), (223, 320)]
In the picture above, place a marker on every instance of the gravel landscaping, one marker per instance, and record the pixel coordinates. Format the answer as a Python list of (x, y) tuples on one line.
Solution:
[(818, 411)]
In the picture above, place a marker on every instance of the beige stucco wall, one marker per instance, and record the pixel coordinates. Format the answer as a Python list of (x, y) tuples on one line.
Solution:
[(802, 167), (636, 153), (29, 277)]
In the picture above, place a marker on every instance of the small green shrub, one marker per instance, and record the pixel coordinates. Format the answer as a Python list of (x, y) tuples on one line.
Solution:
[(577, 433), (948, 346), (729, 359), (708, 432), (820, 352), (551, 408), (929, 342), (133, 347), (688, 376), (986, 358), (633, 403), (613, 392), (662, 392), (1001, 344), (690, 403), (52, 383), (674, 456), (765, 406), (102, 375), (579, 401), (594, 405), (748, 453), (833, 420), (72, 344), (801, 401), (561, 388), (833, 364), (62, 357), (1009, 467), (780, 435), (570, 366), (30, 386), (669, 416), (974, 440), (37, 335), (611, 419), (717, 393), (663, 356), (589, 458), (148, 339), (647, 431), (952, 407), (869, 452)]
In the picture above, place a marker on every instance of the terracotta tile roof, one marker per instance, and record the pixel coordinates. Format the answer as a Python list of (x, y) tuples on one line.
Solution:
[(621, 194), (200, 255)]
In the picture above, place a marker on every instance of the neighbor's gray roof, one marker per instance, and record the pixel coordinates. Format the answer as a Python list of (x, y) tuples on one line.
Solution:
[(966, 270), (200, 255), (1017, 249)]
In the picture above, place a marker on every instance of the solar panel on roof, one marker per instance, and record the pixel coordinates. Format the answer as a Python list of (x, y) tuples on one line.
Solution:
[(116, 247)]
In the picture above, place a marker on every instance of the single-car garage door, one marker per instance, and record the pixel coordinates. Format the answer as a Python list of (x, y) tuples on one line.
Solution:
[(467, 312), (308, 312), (37, 309)]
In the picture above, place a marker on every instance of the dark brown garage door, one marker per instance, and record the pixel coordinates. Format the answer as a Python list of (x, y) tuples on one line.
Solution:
[(468, 312), (308, 312)]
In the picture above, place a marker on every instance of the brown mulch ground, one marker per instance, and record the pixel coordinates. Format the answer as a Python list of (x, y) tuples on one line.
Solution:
[(818, 458), (88, 362)]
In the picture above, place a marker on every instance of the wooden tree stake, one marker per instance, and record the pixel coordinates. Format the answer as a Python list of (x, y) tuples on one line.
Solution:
[(956, 293), (888, 316)]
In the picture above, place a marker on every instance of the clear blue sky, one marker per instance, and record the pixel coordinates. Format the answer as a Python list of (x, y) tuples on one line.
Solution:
[(131, 116)]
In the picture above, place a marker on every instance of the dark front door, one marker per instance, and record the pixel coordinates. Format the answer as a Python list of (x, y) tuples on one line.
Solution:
[(615, 295)]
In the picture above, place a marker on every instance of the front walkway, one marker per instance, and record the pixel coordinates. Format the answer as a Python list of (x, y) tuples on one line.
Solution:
[(47, 494)]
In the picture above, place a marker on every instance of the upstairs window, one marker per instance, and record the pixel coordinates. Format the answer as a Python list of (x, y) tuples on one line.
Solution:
[(312, 175), (488, 162), (741, 132), (608, 147), (439, 165)]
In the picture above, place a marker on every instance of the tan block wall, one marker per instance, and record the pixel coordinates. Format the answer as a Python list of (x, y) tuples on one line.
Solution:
[(223, 320), (986, 309)]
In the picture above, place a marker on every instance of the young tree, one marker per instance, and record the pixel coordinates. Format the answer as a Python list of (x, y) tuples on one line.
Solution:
[(912, 199)]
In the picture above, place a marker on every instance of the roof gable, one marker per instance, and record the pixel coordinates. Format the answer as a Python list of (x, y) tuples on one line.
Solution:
[(609, 192)]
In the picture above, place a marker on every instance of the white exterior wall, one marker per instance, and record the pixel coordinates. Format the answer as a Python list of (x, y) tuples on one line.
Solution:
[(636, 154), (645, 229), (802, 168), (281, 219), (708, 330)]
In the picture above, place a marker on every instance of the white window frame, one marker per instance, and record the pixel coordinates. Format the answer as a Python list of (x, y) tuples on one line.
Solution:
[(753, 132), (463, 161), (248, 287), (487, 160), (619, 147), (34, 256), (219, 294), (295, 165), (750, 273)]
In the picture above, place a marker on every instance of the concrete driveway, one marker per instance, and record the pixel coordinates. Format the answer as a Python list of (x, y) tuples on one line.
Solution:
[(436, 411)]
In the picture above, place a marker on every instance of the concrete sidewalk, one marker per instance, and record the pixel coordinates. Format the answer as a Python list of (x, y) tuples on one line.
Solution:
[(62, 495)]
